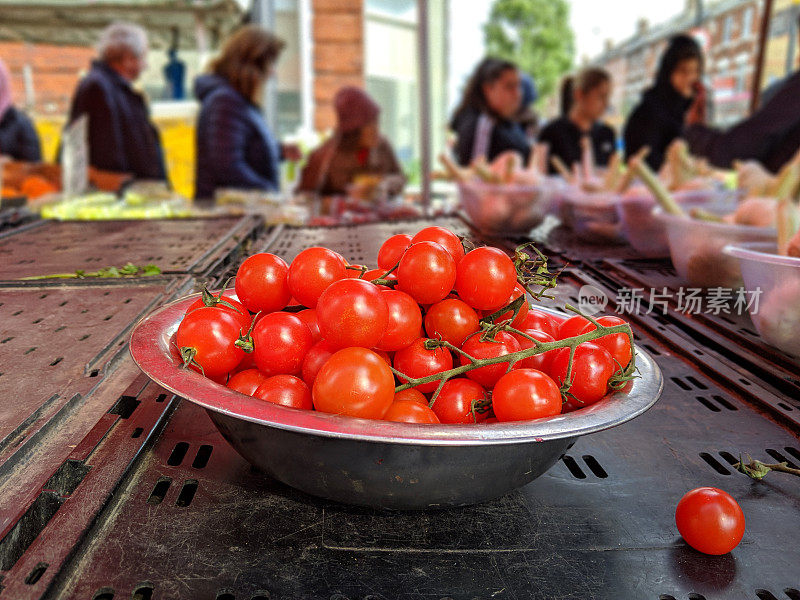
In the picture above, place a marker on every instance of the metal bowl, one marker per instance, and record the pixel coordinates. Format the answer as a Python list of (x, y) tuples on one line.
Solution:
[(380, 463)]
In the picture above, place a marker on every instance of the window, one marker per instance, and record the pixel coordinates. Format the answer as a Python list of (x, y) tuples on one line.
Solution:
[(747, 23), (727, 29)]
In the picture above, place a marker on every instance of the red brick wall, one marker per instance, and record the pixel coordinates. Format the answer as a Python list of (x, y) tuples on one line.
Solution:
[(55, 70), (338, 31)]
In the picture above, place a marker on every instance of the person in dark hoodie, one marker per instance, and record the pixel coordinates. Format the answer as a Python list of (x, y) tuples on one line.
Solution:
[(591, 91), (18, 138), (235, 148), (771, 135), (121, 135), (659, 117), (484, 121)]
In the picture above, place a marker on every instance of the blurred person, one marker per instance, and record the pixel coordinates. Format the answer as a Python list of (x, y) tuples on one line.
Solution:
[(659, 117), (484, 120), (235, 148), (591, 92), (355, 152), (770, 136), (18, 137), (565, 95), (526, 117), (121, 136)]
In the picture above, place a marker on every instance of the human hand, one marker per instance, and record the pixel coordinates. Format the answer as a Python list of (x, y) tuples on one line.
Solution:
[(696, 115)]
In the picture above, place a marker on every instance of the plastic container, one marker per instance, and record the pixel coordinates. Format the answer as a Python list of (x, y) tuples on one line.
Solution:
[(773, 285), (696, 246), (507, 208), (647, 235), (592, 215)]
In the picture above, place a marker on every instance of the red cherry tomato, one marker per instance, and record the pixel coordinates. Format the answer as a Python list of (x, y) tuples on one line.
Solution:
[(317, 356), (710, 520), (247, 382), (404, 323), (211, 333), (354, 382), (503, 344), (411, 394), (572, 327), (427, 272), (541, 361), (409, 411), (525, 394), (416, 361), (592, 367), (461, 401), (285, 390), (280, 342), (486, 278), (261, 283), (523, 310), (391, 251), (452, 320), (541, 321), (238, 310), (312, 271), (309, 317), (352, 312), (618, 344), (445, 238)]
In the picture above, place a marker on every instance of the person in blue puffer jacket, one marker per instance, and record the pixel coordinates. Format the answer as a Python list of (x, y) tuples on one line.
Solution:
[(235, 148)]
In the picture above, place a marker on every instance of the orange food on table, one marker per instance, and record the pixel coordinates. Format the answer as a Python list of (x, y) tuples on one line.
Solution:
[(35, 186)]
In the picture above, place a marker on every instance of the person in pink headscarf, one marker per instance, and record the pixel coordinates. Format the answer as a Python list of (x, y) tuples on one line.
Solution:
[(18, 138), (356, 151)]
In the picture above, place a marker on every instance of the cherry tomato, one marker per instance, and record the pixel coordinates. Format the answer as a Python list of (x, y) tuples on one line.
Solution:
[(354, 382), (541, 321), (309, 317), (209, 334), (452, 320), (312, 271), (404, 323), (541, 361), (710, 520), (503, 344), (411, 394), (391, 251), (352, 312), (486, 277), (285, 390), (317, 356), (523, 310), (461, 401), (409, 411), (618, 344), (427, 272), (238, 310), (445, 238), (572, 327), (416, 361), (592, 367), (261, 283), (280, 342), (247, 381), (525, 394)]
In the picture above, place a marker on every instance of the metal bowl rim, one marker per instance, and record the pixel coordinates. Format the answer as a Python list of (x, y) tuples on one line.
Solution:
[(149, 347)]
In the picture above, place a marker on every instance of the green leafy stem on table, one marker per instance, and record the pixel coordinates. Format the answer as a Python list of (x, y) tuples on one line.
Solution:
[(129, 270)]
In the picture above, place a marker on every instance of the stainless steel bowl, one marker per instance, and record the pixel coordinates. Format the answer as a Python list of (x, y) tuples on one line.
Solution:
[(378, 463)]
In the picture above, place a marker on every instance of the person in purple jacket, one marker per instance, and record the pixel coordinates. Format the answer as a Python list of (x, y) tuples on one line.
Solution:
[(235, 148)]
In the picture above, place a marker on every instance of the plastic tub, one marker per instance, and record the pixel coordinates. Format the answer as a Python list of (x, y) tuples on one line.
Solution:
[(647, 235), (696, 246), (592, 215), (775, 281), (507, 208)]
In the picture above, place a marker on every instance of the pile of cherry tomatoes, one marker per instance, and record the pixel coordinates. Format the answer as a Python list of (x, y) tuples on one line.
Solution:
[(322, 334)]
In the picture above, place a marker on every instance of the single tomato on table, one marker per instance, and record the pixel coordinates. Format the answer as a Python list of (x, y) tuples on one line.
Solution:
[(710, 520)]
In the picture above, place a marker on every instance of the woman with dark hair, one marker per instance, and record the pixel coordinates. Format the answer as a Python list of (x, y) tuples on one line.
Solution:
[(659, 117), (234, 146), (18, 137), (592, 88), (484, 121)]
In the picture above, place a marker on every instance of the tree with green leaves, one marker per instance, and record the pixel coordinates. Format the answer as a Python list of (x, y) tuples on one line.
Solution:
[(536, 35)]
